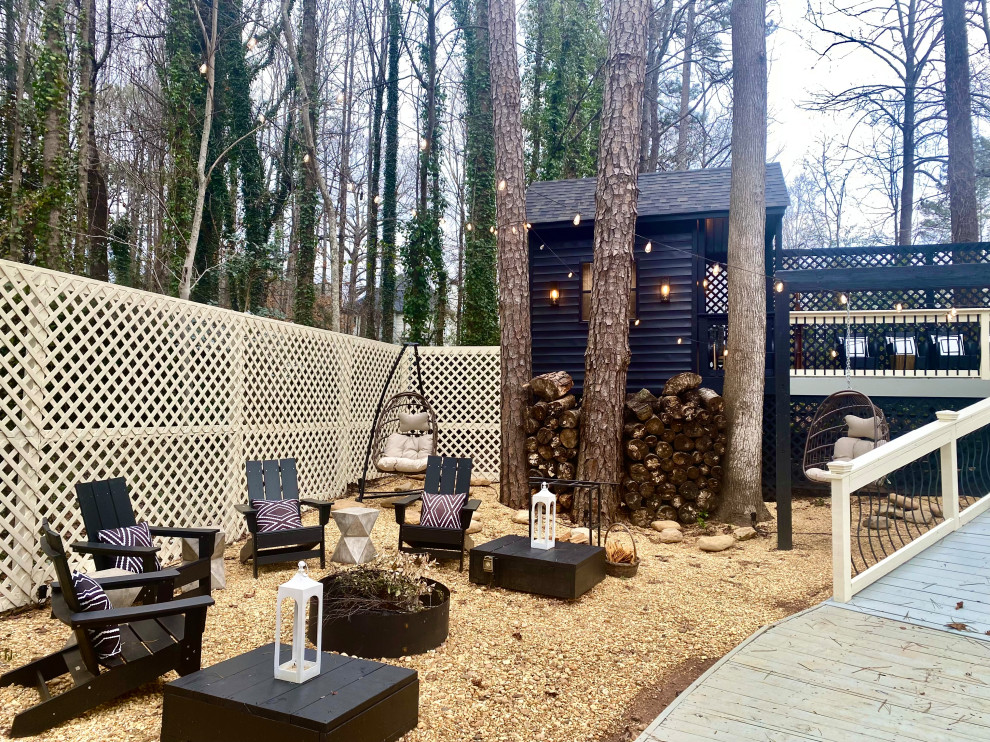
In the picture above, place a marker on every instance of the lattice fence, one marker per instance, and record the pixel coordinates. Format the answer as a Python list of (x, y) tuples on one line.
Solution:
[(100, 381)]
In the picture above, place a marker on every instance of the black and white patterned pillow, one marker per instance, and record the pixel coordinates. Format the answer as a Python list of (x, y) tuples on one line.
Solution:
[(91, 597), (442, 511), (277, 515), (139, 535)]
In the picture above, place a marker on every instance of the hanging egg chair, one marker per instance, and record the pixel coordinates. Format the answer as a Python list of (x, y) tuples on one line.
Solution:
[(846, 425), (406, 435)]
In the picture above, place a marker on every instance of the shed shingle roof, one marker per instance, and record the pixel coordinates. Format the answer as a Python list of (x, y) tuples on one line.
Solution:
[(685, 192)]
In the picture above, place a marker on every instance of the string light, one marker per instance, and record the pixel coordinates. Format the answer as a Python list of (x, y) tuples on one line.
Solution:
[(953, 312), (542, 246), (528, 225), (306, 157), (502, 185), (378, 199), (899, 307), (648, 248), (492, 230), (203, 68), (716, 269), (843, 299), (443, 222), (252, 43), (469, 227), (577, 219), (779, 287), (704, 283), (570, 274), (636, 323), (680, 341), (423, 144), (834, 353), (725, 352)]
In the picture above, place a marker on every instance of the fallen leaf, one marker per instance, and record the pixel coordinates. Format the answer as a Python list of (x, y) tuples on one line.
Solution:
[(959, 605), (517, 635), (958, 626)]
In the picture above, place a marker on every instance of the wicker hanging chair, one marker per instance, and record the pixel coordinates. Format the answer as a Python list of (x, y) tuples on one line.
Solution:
[(399, 445), (834, 437)]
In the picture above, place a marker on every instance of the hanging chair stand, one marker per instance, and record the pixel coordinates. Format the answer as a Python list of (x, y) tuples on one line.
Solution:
[(829, 423), (375, 437)]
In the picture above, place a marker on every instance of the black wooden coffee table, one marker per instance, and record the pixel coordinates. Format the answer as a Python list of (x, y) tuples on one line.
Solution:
[(565, 571), (239, 700)]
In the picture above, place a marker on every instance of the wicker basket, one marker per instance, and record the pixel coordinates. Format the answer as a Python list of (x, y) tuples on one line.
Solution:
[(622, 569)]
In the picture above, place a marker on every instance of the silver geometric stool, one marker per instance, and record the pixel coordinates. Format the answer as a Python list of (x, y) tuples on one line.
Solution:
[(355, 524)]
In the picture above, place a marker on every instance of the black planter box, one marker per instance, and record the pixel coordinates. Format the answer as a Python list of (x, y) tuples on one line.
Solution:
[(239, 700), (565, 571), (375, 634)]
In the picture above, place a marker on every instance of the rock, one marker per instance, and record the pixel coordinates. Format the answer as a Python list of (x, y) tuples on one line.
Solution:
[(563, 534), (664, 525), (349, 502), (521, 517), (412, 517), (681, 383), (745, 533), (876, 523), (918, 516), (901, 501), (670, 536), (475, 526), (580, 536), (716, 543), (890, 510), (479, 481), (936, 509)]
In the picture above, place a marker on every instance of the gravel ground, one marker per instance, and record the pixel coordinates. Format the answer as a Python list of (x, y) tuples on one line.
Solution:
[(515, 667)]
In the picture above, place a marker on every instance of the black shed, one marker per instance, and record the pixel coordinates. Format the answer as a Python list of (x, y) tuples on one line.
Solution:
[(681, 244)]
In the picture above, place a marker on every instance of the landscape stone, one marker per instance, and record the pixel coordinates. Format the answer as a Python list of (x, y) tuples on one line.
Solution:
[(876, 523), (917, 516), (670, 536), (580, 536), (890, 510), (936, 509), (745, 533), (475, 526), (521, 517), (663, 525), (350, 502), (901, 501), (563, 534), (716, 543), (479, 481)]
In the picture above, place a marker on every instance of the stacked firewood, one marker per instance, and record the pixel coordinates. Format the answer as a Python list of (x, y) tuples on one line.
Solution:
[(552, 427), (674, 445)]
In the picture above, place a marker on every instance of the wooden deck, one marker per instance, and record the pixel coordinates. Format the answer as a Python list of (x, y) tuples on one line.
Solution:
[(885, 666)]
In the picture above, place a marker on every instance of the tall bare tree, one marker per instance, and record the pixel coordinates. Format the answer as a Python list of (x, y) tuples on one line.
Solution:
[(513, 254), (606, 359), (745, 364), (963, 206)]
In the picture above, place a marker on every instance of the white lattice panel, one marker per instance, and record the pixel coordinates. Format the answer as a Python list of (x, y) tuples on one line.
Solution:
[(98, 381)]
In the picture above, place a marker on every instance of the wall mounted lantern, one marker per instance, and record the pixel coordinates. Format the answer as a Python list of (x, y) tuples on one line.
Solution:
[(665, 290), (554, 295)]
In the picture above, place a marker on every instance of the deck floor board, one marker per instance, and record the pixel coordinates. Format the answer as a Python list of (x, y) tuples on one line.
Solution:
[(882, 668)]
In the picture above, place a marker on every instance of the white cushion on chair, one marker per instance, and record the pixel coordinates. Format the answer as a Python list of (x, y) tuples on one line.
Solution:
[(816, 475), (405, 453), (862, 427), (410, 421)]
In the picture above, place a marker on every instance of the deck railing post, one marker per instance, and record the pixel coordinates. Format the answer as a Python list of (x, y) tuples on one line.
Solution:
[(984, 345), (841, 532), (949, 471)]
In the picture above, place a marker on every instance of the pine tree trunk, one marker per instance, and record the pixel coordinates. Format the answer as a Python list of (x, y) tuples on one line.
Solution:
[(15, 240), (389, 206), (746, 360), (684, 120), (371, 314), (87, 38), (963, 205), (607, 355), (513, 255), (905, 230), (48, 249)]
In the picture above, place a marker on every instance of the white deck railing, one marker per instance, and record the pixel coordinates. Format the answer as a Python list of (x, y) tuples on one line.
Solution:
[(849, 476)]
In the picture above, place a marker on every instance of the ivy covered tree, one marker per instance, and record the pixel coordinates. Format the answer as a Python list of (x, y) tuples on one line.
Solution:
[(390, 210), (479, 322)]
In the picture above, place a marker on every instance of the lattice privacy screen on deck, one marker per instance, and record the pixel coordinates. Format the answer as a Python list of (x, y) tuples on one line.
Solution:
[(98, 381)]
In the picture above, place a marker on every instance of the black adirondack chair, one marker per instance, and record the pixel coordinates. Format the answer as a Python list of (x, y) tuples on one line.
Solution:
[(107, 504), (445, 476), (155, 639), (276, 480)]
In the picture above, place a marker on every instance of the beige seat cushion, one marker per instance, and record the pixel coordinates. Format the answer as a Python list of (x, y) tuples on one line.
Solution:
[(862, 427), (411, 421), (816, 475), (405, 453)]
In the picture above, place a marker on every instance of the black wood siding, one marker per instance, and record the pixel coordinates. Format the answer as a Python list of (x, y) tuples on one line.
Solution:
[(559, 335)]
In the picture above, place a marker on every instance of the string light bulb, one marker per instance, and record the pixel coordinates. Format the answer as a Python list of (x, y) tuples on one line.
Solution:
[(252, 43), (423, 144), (779, 287), (665, 290), (570, 274), (843, 299), (203, 68), (648, 248), (680, 341), (704, 283), (502, 185), (528, 225), (953, 312), (542, 246), (443, 222), (378, 199), (469, 227), (492, 230), (577, 219), (716, 269), (899, 307), (636, 323), (306, 157), (834, 353)]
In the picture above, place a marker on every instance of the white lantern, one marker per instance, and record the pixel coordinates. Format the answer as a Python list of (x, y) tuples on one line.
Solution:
[(543, 519), (300, 590)]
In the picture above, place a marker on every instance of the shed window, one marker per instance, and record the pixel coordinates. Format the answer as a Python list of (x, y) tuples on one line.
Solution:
[(586, 292)]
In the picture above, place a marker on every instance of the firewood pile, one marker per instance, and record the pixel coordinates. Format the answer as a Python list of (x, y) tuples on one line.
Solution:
[(552, 428), (673, 446)]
